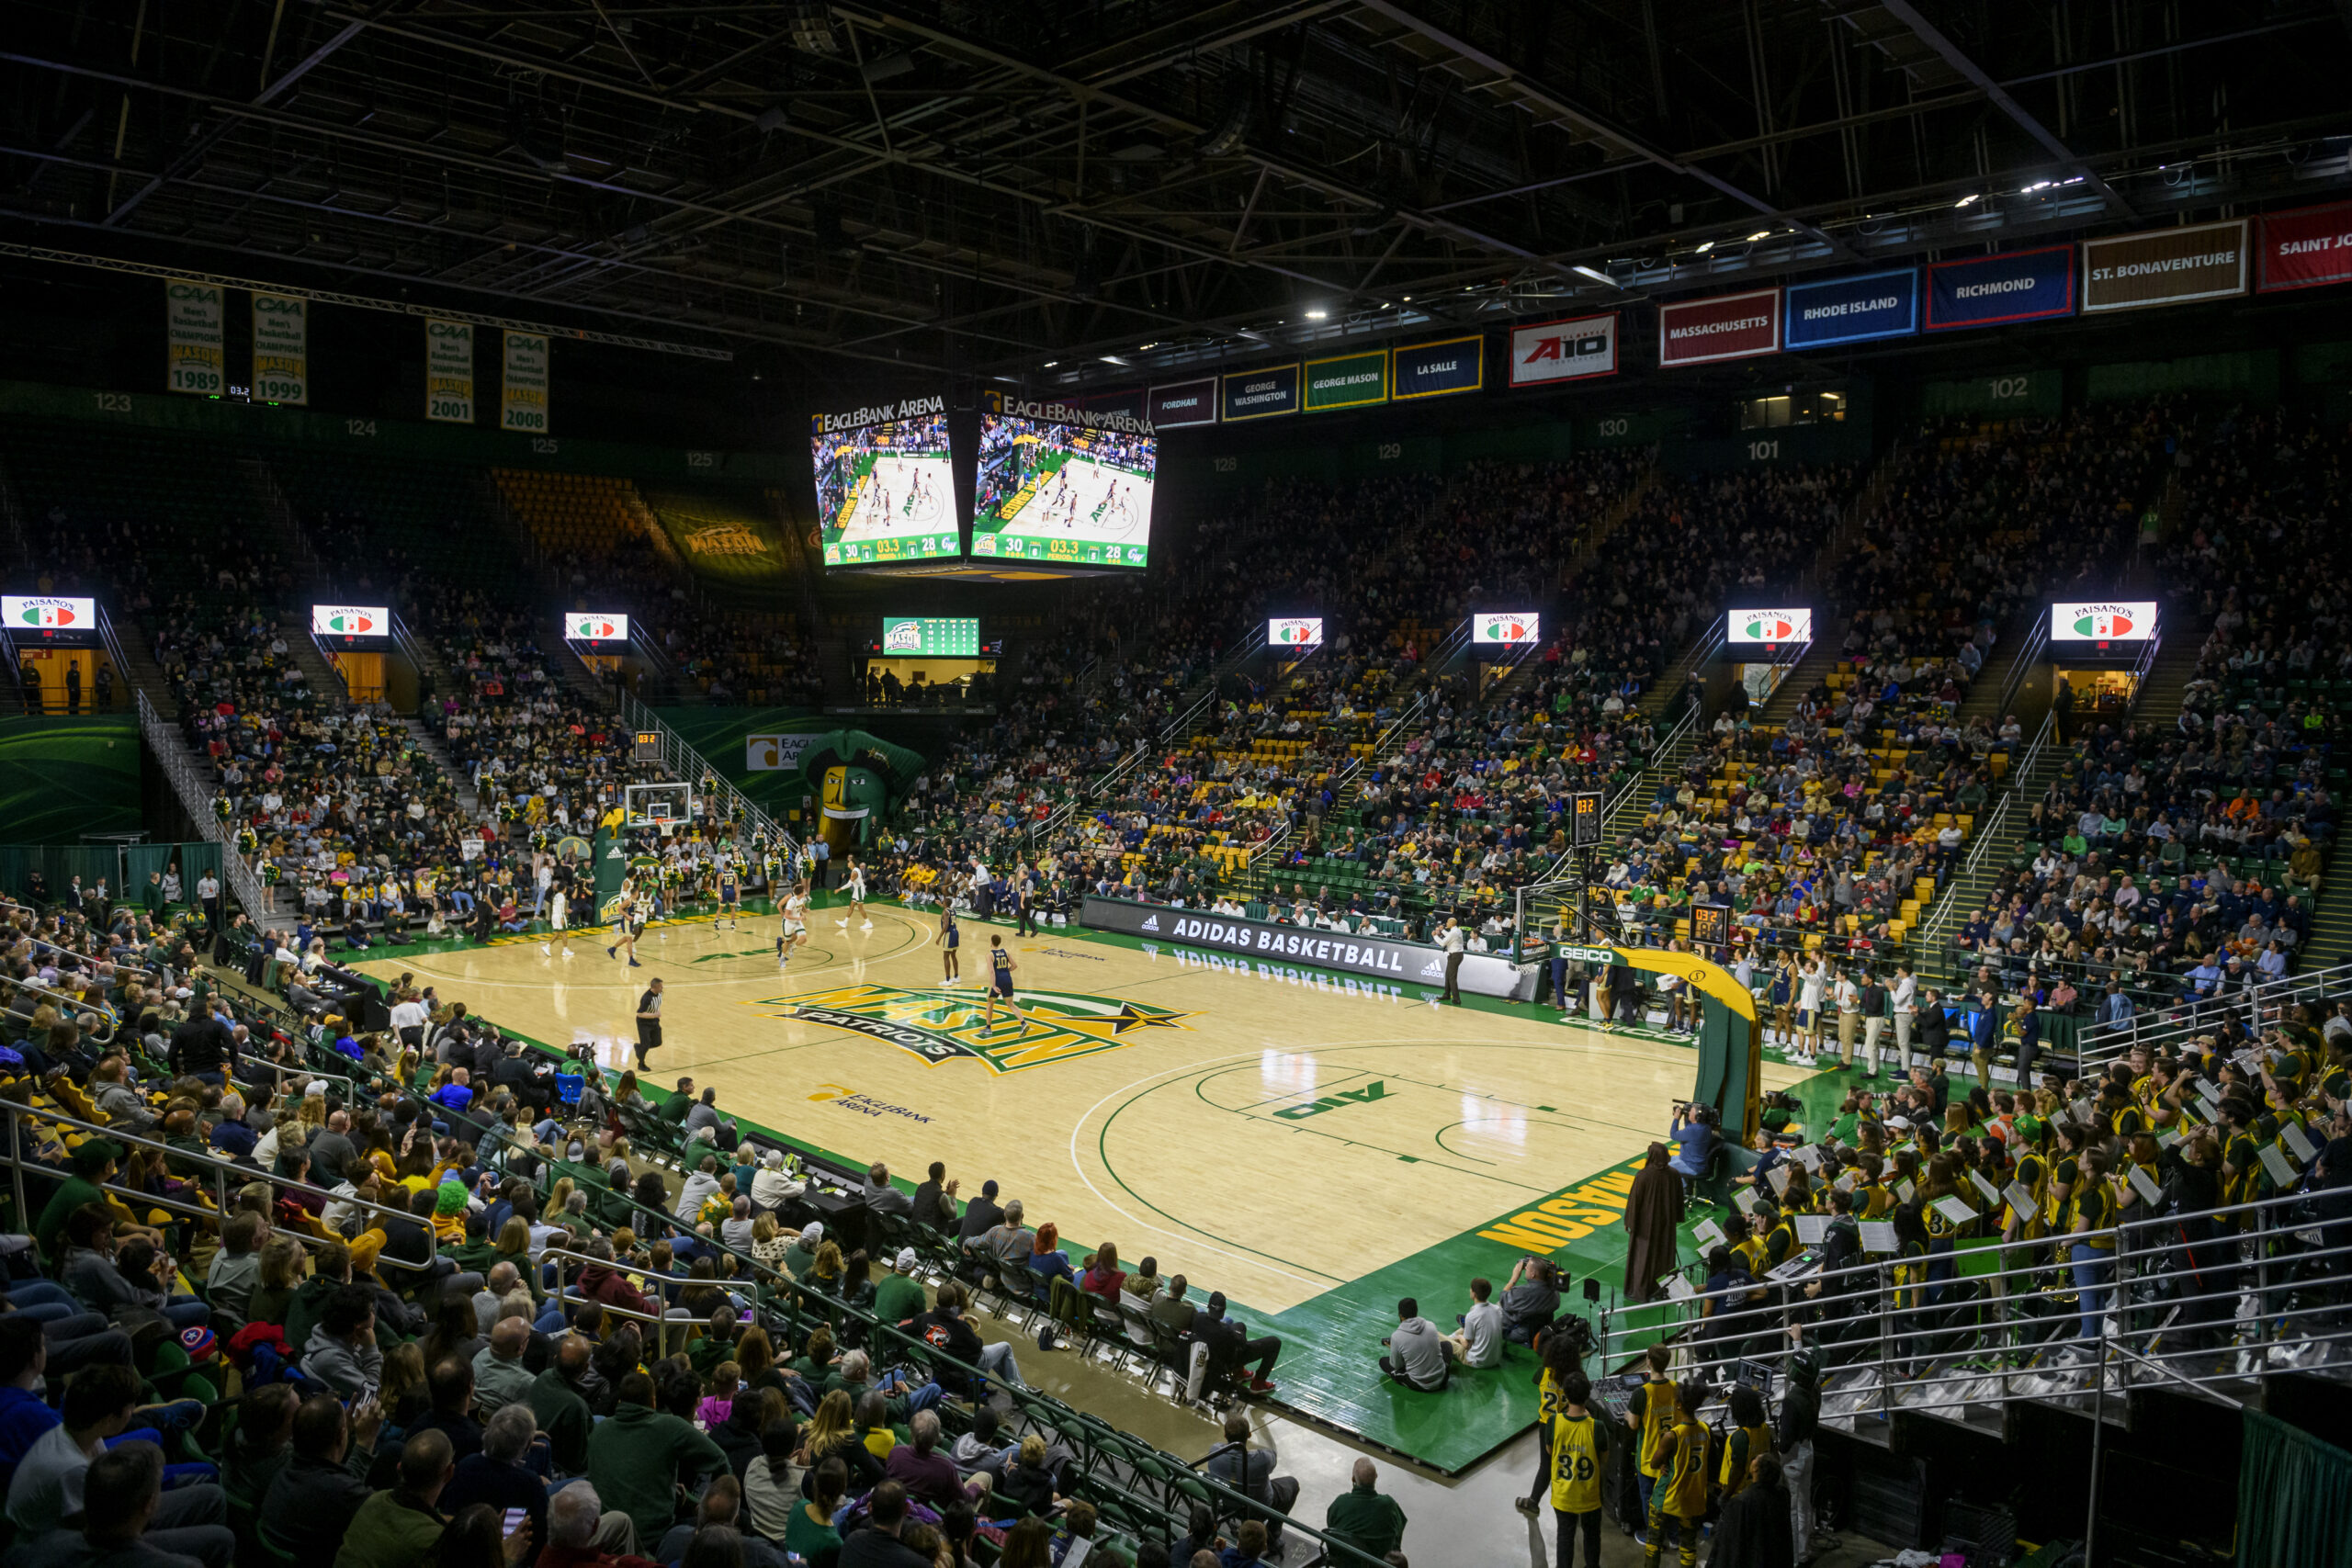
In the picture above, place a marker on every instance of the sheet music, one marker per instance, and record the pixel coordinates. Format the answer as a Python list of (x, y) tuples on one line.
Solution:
[(1707, 1234), (1779, 1178), (1955, 1209), (2298, 1142), (1992, 1193), (2020, 1200), (2275, 1161), (1903, 1190), (1877, 1235), (1811, 1228), (2144, 1184)]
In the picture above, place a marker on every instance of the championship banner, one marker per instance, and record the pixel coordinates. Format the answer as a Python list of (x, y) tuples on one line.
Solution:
[(1437, 369), (1260, 394), (522, 399), (1347, 381), (2016, 286), (1574, 349), (2165, 266), (1380, 958), (1187, 403), (1853, 309), (449, 371), (192, 320), (2305, 248), (1730, 326), (281, 349)]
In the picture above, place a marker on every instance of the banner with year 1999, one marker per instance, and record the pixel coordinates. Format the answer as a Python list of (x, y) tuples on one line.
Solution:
[(281, 349)]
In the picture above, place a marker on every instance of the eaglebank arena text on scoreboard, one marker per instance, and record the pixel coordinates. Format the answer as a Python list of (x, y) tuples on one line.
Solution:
[(882, 413), (1088, 419)]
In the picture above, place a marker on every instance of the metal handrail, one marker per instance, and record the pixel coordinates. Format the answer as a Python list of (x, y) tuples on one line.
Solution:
[(75, 1005), (1900, 1346), (2103, 1043), (1946, 905), (196, 800)]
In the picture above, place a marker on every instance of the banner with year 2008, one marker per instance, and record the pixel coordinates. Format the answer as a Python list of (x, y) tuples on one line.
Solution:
[(522, 395)]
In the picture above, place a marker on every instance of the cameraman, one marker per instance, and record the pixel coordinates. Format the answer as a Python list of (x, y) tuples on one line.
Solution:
[(1695, 1139)]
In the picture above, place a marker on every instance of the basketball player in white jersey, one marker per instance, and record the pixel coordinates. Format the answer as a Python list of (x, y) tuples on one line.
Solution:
[(855, 885), (795, 923), (626, 927)]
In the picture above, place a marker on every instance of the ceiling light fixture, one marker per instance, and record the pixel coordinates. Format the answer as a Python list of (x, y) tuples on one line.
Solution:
[(1315, 315), (1968, 201), (1595, 277), (1760, 234), (1705, 246)]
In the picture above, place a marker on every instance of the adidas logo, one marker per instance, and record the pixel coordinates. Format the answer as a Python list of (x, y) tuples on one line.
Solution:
[(1151, 923), (1433, 970)]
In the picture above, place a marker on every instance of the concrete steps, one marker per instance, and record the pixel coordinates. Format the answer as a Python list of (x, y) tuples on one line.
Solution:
[(429, 741)]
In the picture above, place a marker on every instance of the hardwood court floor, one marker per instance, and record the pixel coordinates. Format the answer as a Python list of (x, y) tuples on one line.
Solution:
[(1273, 1132)]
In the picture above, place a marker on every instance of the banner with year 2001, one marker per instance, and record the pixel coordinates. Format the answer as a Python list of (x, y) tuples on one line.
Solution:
[(281, 349), (193, 327), (449, 371), (523, 400)]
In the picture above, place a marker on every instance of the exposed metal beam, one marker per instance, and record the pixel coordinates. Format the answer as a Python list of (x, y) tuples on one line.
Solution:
[(1955, 56), (1592, 124)]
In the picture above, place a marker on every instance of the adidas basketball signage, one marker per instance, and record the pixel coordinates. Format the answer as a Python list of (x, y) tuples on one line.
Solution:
[(1575, 349), (2103, 621), (350, 620), (1769, 628), (48, 614), (1277, 952)]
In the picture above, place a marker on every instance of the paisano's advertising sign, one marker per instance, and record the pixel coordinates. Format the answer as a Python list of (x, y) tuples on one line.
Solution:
[(2103, 621), (587, 626), (1769, 628), (1295, 631), (49, 618), (350, 620), (1505, 629)]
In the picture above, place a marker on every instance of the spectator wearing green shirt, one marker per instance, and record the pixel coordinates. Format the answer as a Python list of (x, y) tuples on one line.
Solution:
[(637, 1459), (1364, 1518), (900, 1295)]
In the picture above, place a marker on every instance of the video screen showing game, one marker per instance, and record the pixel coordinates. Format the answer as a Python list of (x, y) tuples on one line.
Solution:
[(886, 485), (1063, 486)]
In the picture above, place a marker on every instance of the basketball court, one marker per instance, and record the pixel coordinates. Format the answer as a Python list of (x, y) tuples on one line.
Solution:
[(1313, 1145), (888, 500)]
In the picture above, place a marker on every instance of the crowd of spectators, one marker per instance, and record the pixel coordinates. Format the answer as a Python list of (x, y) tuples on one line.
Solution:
[(447, 1300)]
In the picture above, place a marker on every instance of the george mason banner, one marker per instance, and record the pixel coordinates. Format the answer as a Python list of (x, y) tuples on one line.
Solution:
[(281, 349), (192, 320), (449, 371), (523, 401)]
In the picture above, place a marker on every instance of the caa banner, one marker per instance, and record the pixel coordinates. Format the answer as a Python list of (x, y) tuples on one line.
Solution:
[(1731, 326), (1986, 291), (523, 396), (192, 323), (281, 349), (1187, 403), (1381, 958), (2306, 248), (1440, 369), (1575, 349), (2163, 266), (1853, 309), (449, 371)]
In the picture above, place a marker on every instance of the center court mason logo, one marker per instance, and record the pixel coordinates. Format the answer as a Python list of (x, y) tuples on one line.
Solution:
[(943, 1025)]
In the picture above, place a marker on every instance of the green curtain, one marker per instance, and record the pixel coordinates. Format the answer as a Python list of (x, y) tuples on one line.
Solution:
[(60, 864), (2294, 1497)]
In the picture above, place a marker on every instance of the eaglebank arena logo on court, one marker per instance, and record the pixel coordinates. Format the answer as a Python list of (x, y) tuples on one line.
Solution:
[(943, 1026), (857, 419)]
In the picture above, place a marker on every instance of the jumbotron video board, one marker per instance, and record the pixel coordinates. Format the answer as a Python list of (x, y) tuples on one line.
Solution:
[(1063, 486), (886, 486)]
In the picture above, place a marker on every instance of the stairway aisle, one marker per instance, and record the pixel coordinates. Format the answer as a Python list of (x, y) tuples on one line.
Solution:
[(429, 741), (145, 674), (294, 628)]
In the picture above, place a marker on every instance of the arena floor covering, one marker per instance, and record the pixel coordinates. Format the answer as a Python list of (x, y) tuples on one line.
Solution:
[(1314, 1145)]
